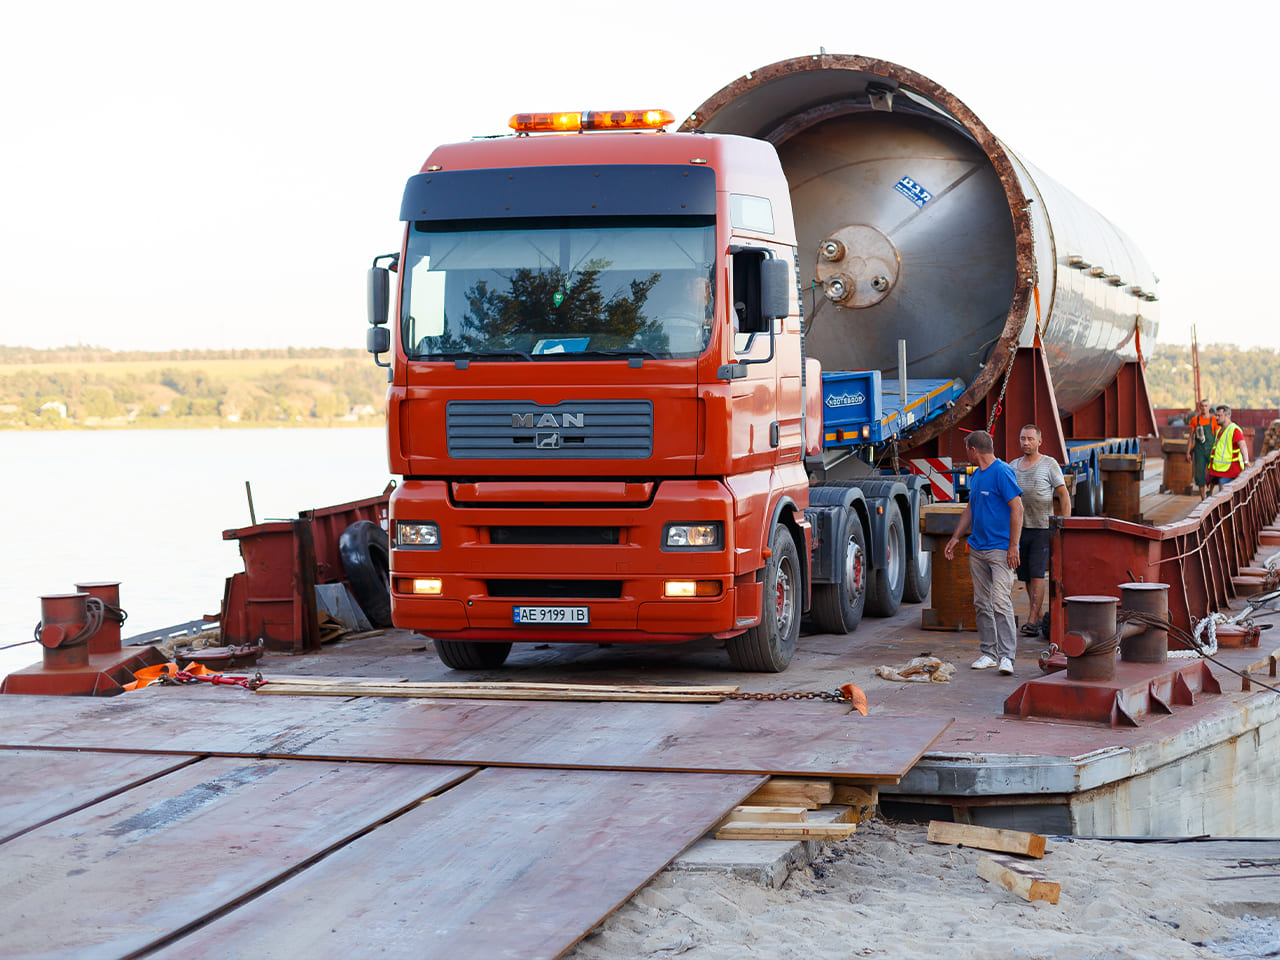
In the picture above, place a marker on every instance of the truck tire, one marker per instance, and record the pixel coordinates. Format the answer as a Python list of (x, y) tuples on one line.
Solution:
[(884, 593), (919, 571), (366, 560), (464, 655), (1086, 499), (837, 607), (769, 646)]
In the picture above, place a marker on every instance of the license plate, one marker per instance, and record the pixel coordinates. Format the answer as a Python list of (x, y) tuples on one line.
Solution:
[(551, 615)]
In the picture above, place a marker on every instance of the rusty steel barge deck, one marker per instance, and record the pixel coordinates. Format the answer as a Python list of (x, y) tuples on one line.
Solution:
[(200, 821)]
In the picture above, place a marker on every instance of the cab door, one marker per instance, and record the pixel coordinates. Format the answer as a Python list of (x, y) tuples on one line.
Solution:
[(768, 403)]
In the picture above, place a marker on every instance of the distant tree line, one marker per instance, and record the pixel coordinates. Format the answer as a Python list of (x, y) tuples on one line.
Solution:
[(1246, 378), (83, 386)]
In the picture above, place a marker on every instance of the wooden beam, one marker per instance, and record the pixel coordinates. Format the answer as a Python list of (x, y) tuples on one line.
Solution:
[(785, 831), (333, 687), (762, 814), (861, 801), (1016, 877), (791, 792), (987, 838)]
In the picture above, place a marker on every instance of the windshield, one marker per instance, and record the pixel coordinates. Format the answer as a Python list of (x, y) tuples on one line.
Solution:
[(543, 289)]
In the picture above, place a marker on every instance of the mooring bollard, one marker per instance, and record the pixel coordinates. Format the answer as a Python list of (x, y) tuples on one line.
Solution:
[(107, 639), (1091, 639), (67, 621), (1141, 642)]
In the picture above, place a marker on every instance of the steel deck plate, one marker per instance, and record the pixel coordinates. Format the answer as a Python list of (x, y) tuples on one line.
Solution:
[(40, 785), (132, 870), (511, 863), (773, 737)]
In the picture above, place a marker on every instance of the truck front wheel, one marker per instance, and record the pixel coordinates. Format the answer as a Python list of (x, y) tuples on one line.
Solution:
[(462, 655), (769, 646)]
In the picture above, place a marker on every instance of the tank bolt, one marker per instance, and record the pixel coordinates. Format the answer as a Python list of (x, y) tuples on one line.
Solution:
[(838, 288), (831, 250), (880, 284)]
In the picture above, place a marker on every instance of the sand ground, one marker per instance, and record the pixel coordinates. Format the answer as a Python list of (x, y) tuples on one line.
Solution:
[(887, 892)]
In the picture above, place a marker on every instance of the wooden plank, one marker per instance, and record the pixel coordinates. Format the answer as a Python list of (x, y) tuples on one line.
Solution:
[(987, 838), (788, 791), (785, 831), (761, 814), (798, 739), (39, 786), (1017, 877), (305, 686), (464, 686), (138, 867), (473, 874)]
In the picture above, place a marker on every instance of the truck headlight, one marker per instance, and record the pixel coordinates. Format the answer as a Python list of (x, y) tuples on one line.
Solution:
[(417, 535), (693, 536)]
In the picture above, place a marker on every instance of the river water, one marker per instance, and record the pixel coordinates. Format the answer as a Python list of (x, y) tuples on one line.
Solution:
[(148, 507)]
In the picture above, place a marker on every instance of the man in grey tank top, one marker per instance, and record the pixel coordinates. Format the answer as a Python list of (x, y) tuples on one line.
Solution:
[(1040, 479)]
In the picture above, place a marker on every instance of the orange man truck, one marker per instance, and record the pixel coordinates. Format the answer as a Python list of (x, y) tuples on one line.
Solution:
[(609, 421)]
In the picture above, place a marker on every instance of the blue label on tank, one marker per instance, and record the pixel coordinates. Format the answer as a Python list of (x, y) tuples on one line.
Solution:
[(913, 191)]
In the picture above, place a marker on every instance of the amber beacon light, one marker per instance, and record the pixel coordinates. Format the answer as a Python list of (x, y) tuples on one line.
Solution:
[(576, 122)]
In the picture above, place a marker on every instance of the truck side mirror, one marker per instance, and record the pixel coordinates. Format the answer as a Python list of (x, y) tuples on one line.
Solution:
[(377, 340), (775, 278), (379, 295)]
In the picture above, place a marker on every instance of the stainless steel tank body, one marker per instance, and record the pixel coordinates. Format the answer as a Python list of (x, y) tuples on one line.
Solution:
[(915, 222)]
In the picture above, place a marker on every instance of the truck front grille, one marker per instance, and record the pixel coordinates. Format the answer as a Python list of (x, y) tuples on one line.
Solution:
[(572, 430)]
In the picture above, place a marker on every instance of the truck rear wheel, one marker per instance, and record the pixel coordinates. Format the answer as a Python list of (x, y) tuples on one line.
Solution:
[(1086, 500), (837, 607), (884, 595), (463, 655), (919, 569), (769, 646)]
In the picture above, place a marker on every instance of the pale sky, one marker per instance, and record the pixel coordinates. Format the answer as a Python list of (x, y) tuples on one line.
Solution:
[(221, 175)]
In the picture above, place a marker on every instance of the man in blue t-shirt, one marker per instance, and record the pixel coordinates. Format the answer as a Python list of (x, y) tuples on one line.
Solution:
[(994, 514)]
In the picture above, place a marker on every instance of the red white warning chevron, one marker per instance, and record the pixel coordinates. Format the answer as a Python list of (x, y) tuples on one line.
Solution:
[(938, 470)]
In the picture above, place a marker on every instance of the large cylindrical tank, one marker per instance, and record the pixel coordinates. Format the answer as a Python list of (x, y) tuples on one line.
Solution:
[(915, 222)]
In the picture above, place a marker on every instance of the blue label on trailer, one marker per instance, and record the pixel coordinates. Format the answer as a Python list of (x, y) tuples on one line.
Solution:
[(913, 191)]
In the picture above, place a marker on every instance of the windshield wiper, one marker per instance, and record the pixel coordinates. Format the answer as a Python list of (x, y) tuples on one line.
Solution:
[(487, 355), (578, 354)]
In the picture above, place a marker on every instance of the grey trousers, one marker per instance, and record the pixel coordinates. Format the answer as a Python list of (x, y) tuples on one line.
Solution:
[(993, 602)]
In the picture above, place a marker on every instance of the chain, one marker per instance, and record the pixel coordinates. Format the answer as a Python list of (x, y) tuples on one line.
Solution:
[(830, 696), (1008, 372), (217, 679)]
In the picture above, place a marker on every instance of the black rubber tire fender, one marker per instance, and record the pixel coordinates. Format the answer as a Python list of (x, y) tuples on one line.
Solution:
[(366, 560)]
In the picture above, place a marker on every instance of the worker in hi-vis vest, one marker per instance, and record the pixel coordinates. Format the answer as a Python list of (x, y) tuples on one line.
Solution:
[(1230, 452)]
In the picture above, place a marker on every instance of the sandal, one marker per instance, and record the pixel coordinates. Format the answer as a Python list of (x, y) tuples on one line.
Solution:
[(1030, 629)]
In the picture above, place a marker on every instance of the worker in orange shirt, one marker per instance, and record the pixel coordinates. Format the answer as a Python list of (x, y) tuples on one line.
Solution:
[(1200, 442)]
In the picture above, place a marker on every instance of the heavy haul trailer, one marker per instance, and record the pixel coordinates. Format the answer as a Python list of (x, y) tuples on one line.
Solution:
[(607, 402)]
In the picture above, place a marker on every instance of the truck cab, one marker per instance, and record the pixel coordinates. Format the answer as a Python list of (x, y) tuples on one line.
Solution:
[(598, 393)]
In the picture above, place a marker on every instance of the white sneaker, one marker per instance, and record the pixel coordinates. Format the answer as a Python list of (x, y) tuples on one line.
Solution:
[(1006, 666), (984, 662)]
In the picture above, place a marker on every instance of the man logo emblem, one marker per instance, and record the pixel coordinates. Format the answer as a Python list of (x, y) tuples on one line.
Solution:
[(547, 441)]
